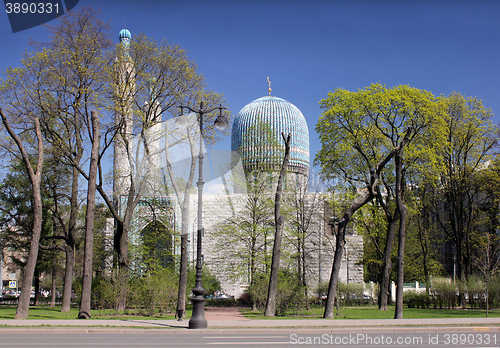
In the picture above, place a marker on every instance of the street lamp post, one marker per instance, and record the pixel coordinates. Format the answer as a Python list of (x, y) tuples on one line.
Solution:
[(198, 320)]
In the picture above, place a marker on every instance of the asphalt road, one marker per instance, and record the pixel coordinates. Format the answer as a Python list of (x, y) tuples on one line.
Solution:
[(442, 337)]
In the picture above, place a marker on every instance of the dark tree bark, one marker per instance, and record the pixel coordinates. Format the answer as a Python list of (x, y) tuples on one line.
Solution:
[(89, 221), (387, 262), (402, 231), (53, 287), (279, 221), (181, 294), (69, 239), (121, 247), (36, 300), (35, 177)]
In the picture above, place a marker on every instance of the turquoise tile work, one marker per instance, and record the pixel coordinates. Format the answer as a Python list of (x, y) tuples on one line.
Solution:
[(256, 135)]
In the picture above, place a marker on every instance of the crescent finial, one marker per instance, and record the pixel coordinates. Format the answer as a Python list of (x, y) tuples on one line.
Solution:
[(269, 90)]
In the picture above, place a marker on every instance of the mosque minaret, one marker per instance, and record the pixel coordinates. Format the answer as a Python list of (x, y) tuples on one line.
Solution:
[(124, 92)]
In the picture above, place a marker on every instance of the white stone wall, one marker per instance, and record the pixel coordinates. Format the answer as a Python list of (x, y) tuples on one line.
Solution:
[(320, 246)]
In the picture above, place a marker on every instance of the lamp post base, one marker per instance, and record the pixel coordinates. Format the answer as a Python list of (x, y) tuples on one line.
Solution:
[(198, 320)]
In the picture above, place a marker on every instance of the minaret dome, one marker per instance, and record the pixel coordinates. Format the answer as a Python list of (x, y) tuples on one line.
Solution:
[(124, 36)]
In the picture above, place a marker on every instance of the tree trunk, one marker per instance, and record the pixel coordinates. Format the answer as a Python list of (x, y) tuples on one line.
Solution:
[(337, 261), (181, 295), (387, 263), (53, 287), (35, 180), (85, 303), (29, 269), (183, 267), (68, 275), (36, 299), (279, 221), (70, 242), (402, 231), (275, 267)]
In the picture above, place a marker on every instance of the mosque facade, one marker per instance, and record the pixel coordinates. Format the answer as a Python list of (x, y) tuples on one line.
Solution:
[(257, 144)]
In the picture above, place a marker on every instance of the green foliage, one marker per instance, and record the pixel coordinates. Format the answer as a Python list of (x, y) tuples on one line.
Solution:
[(357, 129), (350, 293), (156, 246), (476, 291), (16, 210), (372, 224), (210, 282), (104, 293), (290, 296), (155, 293), (416, 299), (494, 292), (453, 194), (444, 292), (322, 289), (229, 302)]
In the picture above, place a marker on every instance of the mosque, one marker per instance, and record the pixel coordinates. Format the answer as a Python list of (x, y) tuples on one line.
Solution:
[(257, 149)]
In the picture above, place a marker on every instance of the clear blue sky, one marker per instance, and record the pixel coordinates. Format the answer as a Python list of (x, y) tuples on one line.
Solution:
[(309, 48)]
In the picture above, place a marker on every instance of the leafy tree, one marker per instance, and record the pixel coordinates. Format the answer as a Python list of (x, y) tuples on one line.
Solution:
[(73, 62), (423, 255), (470, 139), (17, 214), (361, 133)]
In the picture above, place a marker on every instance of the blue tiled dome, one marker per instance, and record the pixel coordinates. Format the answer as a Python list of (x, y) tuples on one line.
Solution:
[(256, 135), (124, 35)]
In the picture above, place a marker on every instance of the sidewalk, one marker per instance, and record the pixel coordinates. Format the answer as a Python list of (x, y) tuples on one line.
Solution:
[(231, 318)]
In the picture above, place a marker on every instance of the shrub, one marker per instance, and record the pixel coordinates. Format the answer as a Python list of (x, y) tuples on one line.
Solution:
[(443, 292), (415, 299), (155, 292), (104, 293), (494, 292), (476, 289), (290, 296), (230, 302), (350, 293)]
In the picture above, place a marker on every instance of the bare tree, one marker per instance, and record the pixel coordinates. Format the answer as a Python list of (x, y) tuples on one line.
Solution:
[(279, 221)]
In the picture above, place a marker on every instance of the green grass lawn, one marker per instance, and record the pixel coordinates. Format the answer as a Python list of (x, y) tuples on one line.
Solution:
[(371, 312), (46, 312), (367, 312)]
